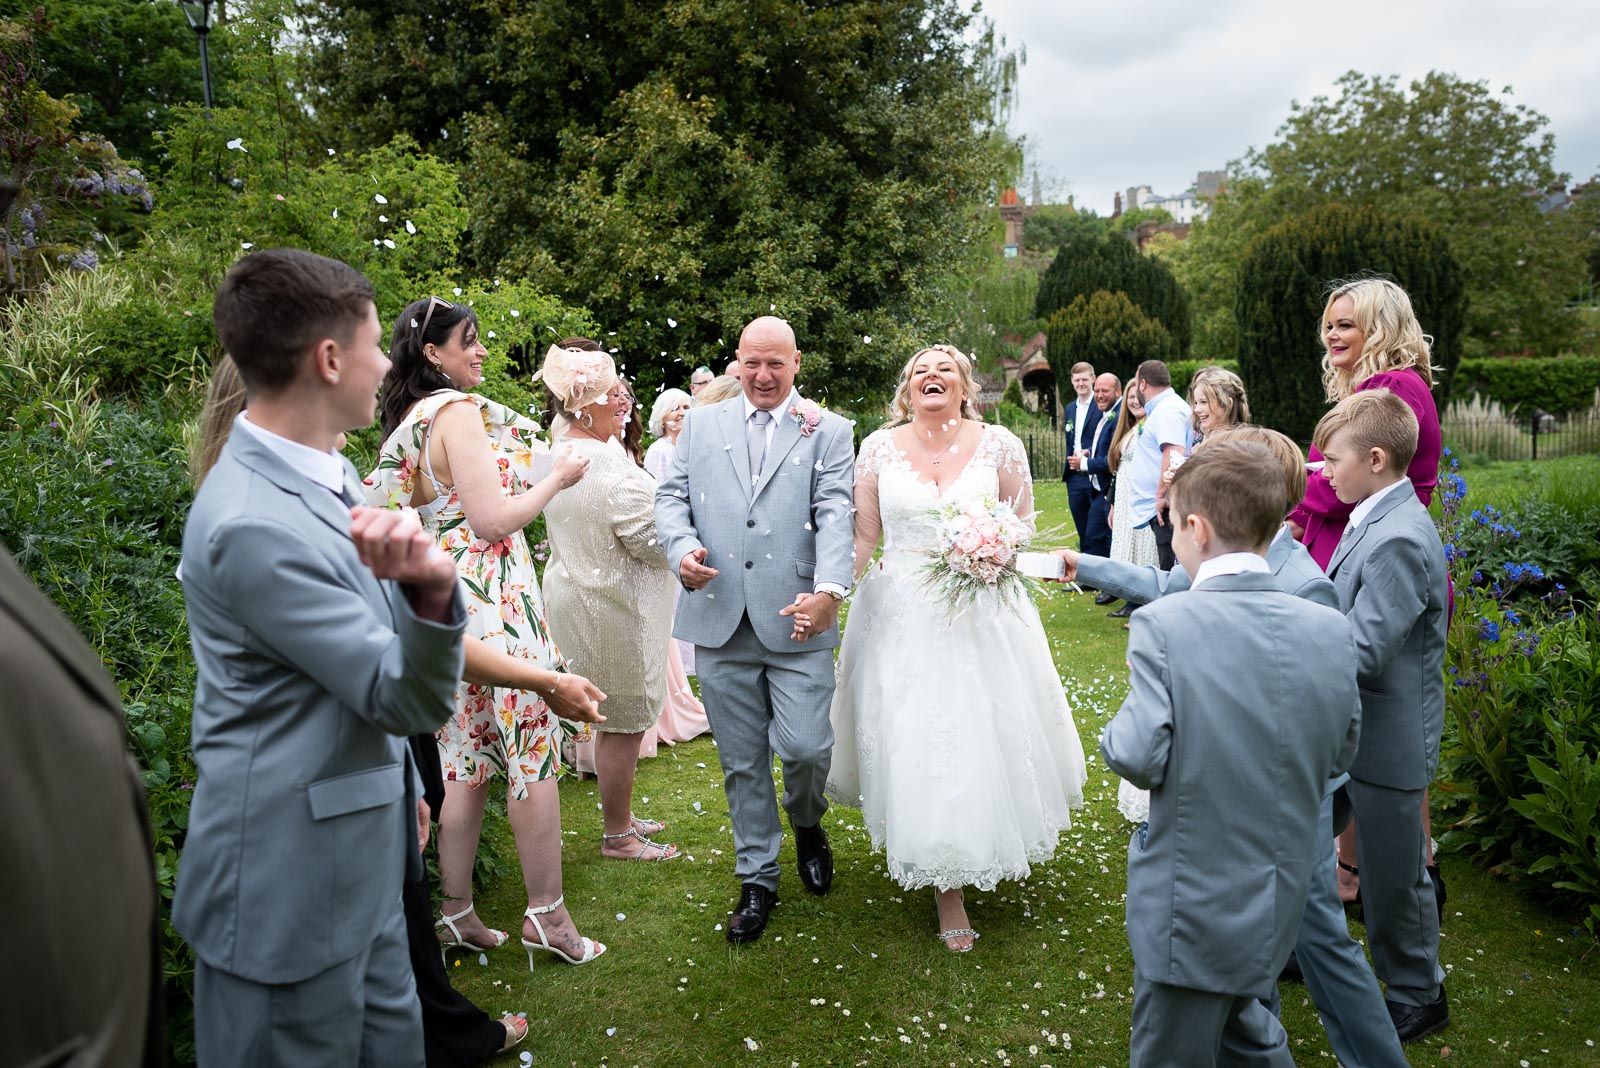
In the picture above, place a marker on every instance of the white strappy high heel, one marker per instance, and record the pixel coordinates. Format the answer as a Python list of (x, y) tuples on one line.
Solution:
[(457, 942), (591, 948)]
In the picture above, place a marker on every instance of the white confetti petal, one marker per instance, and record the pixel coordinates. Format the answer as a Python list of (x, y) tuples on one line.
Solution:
[(456, 291), (383, 218), (866, 339), (388, 243), (246, 244), (415, 325), (330, 152), (238, 144), (610, 1031), (672, 322), (380, 198), (515, 313), (751, 1044), (491, 335), (621, 916), (411, 227), (335, 213)]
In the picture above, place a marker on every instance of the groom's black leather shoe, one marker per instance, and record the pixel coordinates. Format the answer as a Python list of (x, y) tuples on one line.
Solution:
[(1122, 613), (1105, 599), (816, 858), (746, 922), (1412, 1022)]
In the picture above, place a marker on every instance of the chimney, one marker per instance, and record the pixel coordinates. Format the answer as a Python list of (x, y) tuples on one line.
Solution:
[(1116, 210)]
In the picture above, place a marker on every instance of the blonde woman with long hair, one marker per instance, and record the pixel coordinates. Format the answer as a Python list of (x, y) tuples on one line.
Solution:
[(1371, 340), (951, 730)]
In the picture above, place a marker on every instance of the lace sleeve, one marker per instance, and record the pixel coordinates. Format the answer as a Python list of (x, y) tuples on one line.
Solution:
[(1015, 473), (869, 522)]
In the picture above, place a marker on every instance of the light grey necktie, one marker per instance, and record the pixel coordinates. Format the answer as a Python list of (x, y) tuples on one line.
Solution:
[(756, 442)]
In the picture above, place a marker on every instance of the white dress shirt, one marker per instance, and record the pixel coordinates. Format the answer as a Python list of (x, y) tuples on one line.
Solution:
[(1230, 564), (323, 468), (1360, 512), (1077, 424)]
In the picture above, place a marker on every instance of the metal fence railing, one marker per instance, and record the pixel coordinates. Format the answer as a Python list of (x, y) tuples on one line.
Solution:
[(1047, 453), (1514, 436)]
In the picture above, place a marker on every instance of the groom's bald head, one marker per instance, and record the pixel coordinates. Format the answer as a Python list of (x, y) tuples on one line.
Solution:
[(768, 361)]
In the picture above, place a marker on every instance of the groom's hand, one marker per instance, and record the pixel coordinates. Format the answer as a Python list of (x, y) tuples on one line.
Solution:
[(1069, 559), (813, 613), (693, 572)]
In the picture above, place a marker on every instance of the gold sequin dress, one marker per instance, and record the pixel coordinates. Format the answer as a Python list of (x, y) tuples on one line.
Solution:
[(607, 586)]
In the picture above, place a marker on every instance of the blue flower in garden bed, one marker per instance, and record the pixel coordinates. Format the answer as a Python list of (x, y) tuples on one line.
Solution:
[(1489, 630)]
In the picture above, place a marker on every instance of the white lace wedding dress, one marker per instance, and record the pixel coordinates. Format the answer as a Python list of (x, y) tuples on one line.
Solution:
[(953, 735)]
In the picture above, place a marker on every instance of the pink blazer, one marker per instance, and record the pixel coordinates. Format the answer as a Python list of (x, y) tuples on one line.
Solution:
[(1323, 515)]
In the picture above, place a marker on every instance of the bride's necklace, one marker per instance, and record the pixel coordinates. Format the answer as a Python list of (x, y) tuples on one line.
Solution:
[(936, 458)]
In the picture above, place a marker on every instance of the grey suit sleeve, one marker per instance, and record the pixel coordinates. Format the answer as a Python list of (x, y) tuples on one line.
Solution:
[(1352, 739), (674, 516), (1141, 585), (1321, 591), (1138, 739), (832, 507), (303, 611), (1392, 594)]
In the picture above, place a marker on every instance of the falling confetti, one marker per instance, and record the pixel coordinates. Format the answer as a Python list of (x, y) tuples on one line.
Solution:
[(388, 243), (238, 143), (380, 198), (672, 322), (246, 244), (866, 339), (411, 228)]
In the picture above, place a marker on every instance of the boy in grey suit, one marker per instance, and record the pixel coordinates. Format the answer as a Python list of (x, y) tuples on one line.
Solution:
[(324, 634), (1389, 569), (1236, 740), (755, 514)]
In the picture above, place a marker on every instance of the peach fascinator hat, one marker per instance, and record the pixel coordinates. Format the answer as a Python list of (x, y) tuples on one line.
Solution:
[(577, 377)]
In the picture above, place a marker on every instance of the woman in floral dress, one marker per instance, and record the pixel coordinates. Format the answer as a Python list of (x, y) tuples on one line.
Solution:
[(478, 474)]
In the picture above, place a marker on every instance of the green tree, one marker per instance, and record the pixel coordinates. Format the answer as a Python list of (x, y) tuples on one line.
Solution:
[(124, 64), (1050, 226), (679, 168), (1108, 330), (1283, 285), (1467, 159), (1129, 221), (1087, 264)]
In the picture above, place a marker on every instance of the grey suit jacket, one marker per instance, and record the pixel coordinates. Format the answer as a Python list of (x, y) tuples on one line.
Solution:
[(1235, 733), (1297, 574), (311, 674), (1390, 573), (768, 542)]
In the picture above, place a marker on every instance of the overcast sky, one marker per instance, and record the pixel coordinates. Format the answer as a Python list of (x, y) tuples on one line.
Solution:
[(1121, 94)]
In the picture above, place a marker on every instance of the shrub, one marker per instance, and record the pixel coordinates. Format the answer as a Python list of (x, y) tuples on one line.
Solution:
[(1088, 263), (1108, 330), (1282, 285), (1519, 783), (1559, 384)]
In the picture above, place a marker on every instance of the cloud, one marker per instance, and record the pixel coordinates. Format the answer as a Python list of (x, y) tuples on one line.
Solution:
[(1114, 95)]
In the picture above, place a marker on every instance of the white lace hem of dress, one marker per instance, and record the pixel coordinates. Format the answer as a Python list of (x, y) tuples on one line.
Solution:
[(954, 875)]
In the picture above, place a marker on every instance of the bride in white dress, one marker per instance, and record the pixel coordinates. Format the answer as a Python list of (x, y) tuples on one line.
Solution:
[(953, 735)]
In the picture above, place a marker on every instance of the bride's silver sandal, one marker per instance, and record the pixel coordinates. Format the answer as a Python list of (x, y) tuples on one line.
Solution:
[(666, 852), (959, 932)]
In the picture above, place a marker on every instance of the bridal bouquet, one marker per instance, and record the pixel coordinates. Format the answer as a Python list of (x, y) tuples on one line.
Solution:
[(978, 541)]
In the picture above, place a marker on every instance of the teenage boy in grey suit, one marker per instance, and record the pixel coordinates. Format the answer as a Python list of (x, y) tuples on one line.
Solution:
[(1390, 572), (324, 634), (1235, 738), (755, 513), (1331, 962)]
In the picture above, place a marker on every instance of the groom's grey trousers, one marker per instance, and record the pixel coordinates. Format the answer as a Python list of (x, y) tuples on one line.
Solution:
[(760, 703)]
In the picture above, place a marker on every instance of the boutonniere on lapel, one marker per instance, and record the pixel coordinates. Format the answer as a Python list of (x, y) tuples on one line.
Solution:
[(807, 416)]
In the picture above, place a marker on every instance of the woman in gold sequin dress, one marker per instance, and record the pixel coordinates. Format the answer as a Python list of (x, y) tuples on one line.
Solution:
[(607, 585)]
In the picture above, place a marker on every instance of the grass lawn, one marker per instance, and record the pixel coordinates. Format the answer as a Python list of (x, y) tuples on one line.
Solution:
[(858, 978)]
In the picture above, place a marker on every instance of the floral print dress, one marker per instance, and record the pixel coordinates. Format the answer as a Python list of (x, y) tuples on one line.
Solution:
[(494, 728)]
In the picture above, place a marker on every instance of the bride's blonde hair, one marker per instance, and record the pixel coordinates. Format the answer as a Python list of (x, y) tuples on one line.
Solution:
[(1393, 338), (900, 408)]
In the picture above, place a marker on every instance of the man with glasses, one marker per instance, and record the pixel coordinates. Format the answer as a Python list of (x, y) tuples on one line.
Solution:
[(700, 379)]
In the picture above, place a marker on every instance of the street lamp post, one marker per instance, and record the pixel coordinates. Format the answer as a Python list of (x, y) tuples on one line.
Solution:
[(198, 12)]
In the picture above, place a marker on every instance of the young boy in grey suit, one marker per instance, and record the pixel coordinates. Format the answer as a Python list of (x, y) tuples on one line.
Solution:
[(1235, 738), (1389, 569)]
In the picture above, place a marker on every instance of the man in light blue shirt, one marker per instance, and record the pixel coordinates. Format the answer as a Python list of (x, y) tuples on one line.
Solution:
[(1165, 437)]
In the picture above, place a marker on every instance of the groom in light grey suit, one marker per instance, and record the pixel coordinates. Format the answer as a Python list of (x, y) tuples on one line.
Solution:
[(324, 634), (755, 513)]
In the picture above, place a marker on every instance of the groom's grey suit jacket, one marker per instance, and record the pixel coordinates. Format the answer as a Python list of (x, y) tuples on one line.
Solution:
[(1390, 573), (768, 542), (1235, 732), (311, 675)]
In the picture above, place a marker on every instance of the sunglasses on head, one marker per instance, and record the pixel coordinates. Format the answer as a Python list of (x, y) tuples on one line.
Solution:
[(433, 302)]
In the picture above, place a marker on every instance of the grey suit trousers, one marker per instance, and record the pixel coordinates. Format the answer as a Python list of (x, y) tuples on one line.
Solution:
[(1177, 1027), (1336, 971), (1397, 900), (760, 703), (363, 1012)]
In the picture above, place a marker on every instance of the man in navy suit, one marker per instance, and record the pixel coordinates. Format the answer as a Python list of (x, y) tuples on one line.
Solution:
[(1097, 465), (1082, 416)]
